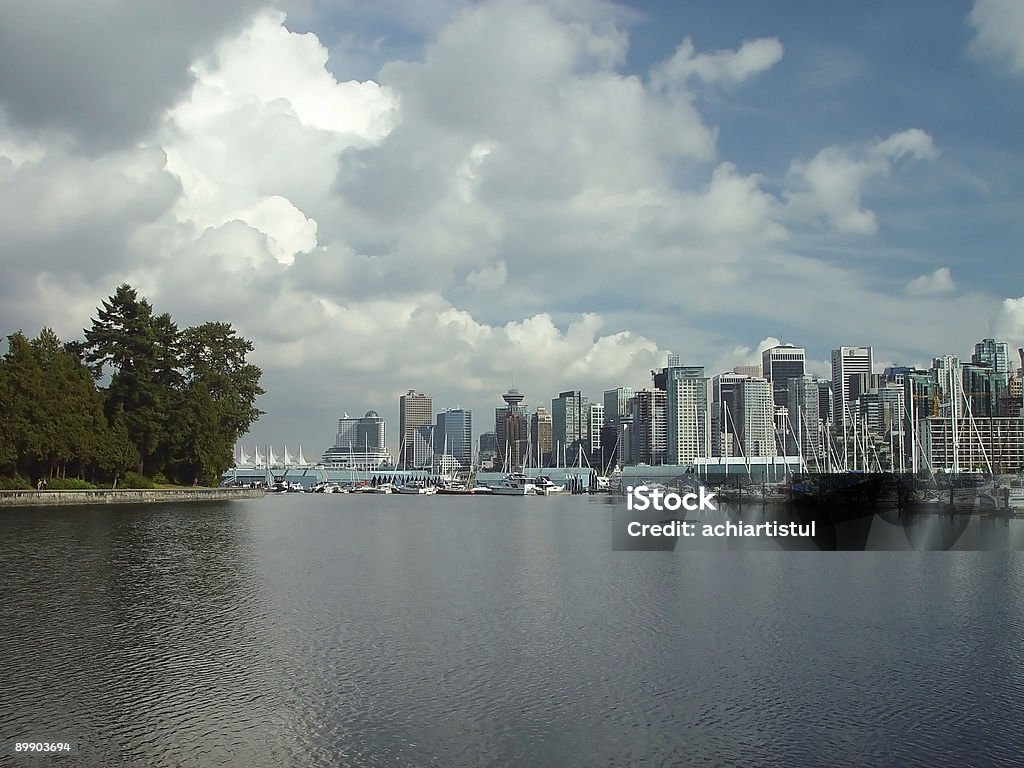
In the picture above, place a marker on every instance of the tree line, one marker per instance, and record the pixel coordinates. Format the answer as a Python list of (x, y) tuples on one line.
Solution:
[(137, 395)]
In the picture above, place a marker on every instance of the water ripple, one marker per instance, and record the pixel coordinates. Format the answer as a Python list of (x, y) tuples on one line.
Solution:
[(320, 631)]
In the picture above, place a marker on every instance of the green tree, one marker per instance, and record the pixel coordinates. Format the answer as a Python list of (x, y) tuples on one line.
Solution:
[(141, 352), (113, 451), (23, 410), (8, 455), (203, 445), (221, 388)]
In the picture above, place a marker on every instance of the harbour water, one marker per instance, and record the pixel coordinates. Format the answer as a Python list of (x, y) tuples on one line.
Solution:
[(325, 630)]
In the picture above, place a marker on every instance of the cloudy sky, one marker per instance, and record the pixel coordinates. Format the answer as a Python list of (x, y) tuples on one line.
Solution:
[(454, 196)]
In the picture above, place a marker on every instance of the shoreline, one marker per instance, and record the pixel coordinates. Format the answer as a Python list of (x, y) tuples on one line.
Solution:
[(124, 496)]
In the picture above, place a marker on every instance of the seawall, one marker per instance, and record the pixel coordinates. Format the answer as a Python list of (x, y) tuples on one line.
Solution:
[(126, 496)]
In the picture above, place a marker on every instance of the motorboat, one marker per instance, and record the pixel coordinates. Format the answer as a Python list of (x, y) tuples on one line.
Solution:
[(416, 488), (514, 484), (545, 486)]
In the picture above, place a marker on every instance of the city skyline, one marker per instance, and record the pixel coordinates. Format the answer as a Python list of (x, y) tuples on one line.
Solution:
[(463, 196), (744, 426)]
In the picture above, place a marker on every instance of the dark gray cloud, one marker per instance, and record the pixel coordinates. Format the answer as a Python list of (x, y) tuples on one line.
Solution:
[(104, 72)]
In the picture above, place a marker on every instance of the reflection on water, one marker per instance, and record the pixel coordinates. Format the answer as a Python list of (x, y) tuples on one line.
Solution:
[(377, 630)]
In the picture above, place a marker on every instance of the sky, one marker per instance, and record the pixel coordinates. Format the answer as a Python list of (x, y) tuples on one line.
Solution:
[(455, 197)]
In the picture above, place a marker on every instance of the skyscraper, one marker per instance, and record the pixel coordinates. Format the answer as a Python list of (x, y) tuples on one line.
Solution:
[(453, 435), (992, 354), (647, 437), (540, 435), (512, 431), (593, 417), (779, 365), (415, 410), (359, 444), (616, 404), (851, 375), (804, 433), (686, 391), (825, 401), (724, 441), (755, 417), (567, 423)]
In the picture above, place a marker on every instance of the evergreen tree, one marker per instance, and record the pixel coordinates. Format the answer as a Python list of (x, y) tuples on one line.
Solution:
[(175, 402), (23, 410), (221, 391), (141, 350)]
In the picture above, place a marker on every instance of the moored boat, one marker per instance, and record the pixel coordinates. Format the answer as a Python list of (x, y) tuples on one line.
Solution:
[(545, 486), (514, 484)]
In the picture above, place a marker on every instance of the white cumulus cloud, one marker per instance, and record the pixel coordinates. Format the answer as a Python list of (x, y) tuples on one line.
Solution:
[(999, 32), (829, 186), (939, 281)]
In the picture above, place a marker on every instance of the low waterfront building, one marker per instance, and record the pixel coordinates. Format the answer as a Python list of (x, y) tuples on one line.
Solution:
[(966, 444)]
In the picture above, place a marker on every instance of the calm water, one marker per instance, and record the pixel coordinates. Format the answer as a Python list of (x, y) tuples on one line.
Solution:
[(399, 631)]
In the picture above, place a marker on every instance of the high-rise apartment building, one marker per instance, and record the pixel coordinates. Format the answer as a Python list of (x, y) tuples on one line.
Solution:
[(540, 436), (688, 415), (593, 416), (647, 433), (755, 417), (992, 354), (415, 410), (804, 424), (568, 426)]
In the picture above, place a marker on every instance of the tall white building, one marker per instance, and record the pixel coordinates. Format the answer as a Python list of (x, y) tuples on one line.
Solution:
[(593, 414), (851, 376), (688, 415), (755, 417)]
